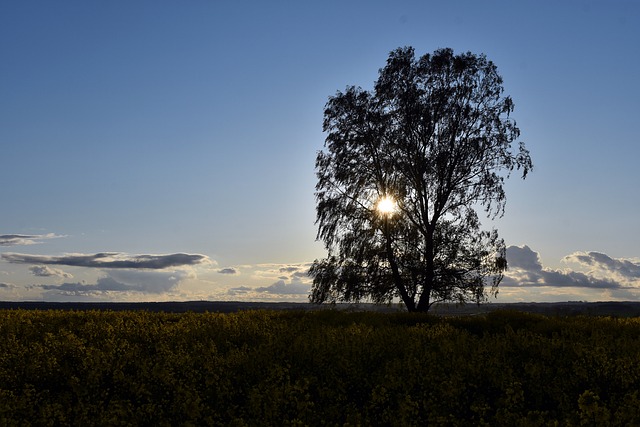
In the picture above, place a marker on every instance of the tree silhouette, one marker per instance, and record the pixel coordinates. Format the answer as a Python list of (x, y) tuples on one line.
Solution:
[(404, 169)]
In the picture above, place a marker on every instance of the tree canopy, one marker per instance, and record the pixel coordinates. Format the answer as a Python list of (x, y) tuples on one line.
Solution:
[(404, 171)]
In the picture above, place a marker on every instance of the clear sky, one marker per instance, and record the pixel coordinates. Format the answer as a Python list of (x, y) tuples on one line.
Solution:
[(164, 150)]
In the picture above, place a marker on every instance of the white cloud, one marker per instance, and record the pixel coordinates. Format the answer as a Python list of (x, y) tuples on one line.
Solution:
[(601, 264), (526, 270)]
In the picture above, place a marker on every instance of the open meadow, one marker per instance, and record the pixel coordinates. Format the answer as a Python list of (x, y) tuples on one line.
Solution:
[(323, 367)]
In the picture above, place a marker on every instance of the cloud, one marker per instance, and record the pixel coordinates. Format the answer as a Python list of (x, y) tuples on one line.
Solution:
[(289, 269), (279, 282), (240, 290), (149, 282), (281, 287), (121, 273), (523, 258), (103, 284), (526, 270), (24, 239), (289, 279), (229, 270), (280, 271), (45, 271), (601, 263), (301, 274), (111, 260)]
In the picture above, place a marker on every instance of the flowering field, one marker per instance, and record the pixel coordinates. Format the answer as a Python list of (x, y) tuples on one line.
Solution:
[(316, 368)]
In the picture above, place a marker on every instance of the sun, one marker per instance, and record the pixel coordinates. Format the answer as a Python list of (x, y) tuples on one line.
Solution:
[(386, 205)]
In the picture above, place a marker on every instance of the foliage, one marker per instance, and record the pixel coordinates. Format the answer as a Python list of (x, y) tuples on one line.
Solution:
[(316, 368), (434, 135)]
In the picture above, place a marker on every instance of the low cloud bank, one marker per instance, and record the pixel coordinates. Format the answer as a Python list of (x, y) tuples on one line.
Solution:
[(24, 239), (150, 282), (110, 260), (120, 273), (606, 273), (282, 288), (291, 280), (623, 269)]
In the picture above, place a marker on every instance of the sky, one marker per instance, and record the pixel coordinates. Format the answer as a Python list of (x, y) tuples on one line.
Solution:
[(165, 150)]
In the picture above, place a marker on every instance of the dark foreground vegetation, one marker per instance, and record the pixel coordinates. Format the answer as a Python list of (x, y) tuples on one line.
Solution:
[(503, 368)]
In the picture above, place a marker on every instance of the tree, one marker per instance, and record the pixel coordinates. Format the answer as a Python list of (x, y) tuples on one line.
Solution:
[(404, 169)]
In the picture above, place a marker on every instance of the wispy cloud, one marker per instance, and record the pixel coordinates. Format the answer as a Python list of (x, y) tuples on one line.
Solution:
[(228, 270), (111, 260), (25, 239)]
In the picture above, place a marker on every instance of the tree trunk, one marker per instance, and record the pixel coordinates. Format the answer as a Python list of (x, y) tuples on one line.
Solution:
[(427, 287), (409, 302), (424, 302)]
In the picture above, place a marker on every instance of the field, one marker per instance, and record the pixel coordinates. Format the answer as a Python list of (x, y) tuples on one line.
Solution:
[(322, 367)]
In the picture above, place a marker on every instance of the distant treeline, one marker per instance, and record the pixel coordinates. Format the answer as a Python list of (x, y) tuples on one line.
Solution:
[(165, 306), (321, 367), (618, 309)]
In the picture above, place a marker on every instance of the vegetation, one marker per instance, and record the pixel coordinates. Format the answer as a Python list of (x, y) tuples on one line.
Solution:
[(317, 368), (404, 168)]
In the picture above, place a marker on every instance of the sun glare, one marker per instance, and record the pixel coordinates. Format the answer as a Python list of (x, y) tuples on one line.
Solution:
[(386, 205)]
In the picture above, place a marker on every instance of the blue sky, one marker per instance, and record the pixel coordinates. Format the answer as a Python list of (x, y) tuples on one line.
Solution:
[(133, 132)]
